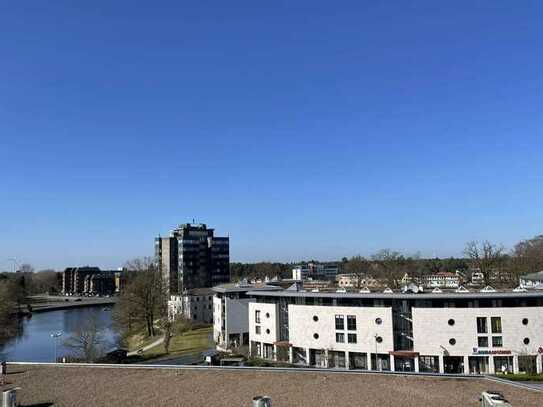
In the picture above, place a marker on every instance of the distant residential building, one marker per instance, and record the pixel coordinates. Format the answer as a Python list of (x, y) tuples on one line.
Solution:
[(195, 305), (406, 279), (442, 279), (355, 281), (88, 280), (316, 284), (477, 277), (192, 257), (230, 313), (533, 280), (315, 271)]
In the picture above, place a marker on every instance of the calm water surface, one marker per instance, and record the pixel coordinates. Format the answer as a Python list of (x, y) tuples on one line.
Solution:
[(34, 342)]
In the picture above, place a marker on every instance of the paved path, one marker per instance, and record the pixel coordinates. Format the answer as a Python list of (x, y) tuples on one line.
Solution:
[(147, 347)]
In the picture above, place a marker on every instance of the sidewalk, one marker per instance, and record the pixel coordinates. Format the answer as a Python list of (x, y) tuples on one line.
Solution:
[(146, 347)]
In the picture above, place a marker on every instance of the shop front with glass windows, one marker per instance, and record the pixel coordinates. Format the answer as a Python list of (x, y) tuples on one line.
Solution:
[(478, 364)]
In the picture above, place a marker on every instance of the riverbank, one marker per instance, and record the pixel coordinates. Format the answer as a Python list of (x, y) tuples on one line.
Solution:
[(43, 303), (66, 385)]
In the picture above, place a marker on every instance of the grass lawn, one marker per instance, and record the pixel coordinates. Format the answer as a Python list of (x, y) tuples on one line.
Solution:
[(190, 342), (141, 339)]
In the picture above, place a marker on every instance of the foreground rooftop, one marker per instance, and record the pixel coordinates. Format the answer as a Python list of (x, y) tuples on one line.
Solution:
[(77, 386)]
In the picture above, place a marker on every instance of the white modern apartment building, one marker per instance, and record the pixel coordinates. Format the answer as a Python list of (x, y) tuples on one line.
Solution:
[(446, 332), (230, 313)]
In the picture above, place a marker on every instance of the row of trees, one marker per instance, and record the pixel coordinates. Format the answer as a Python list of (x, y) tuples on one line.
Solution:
[(260, 270), (9, 298), (14, 290), (493, 260), (36, 282)]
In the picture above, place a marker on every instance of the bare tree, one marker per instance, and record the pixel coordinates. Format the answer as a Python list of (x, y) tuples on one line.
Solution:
[(26, 268), (390, 262), (8, 307), (144, 298), (87, 341), (167, 326), (527, 256), (485, 256), (358, 266)]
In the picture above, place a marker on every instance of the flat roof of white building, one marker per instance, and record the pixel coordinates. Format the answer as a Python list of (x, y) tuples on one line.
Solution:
[(428, 295)]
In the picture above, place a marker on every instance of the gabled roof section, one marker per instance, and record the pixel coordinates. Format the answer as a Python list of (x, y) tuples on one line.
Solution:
[(462, 289), (488, 289)]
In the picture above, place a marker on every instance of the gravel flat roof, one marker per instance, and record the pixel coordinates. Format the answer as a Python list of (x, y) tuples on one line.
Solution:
[(82, 386)]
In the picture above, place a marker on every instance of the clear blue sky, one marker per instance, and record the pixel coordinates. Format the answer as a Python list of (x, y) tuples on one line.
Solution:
[(314, 130)]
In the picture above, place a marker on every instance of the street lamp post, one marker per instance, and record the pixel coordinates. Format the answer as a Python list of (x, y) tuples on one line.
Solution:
[(376, 362), (55, 336)]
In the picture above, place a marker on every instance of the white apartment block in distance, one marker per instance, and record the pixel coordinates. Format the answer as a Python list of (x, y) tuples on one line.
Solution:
[(440, 331), (195, 305), (442, 279), (315, 271), (350, 280), (230, 313)]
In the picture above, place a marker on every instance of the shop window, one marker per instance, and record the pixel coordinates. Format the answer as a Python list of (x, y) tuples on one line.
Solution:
[(481, 325), (351, 322), (496, 324), (429, 364), (451, 322), (497, 341), (351, 338), (340, 322), (452, 341), (340, 337), (482, 341)]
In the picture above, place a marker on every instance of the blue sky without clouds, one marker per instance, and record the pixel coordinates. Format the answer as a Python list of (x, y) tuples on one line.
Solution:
[(301, 129)]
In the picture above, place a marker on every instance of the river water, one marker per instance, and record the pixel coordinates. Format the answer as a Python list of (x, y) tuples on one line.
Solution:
[(35, 344)]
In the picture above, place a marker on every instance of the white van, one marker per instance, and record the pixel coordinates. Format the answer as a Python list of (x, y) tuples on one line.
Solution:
[(493, 399)]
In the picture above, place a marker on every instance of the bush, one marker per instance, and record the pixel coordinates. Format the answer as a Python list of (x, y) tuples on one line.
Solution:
[(524, 377)]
